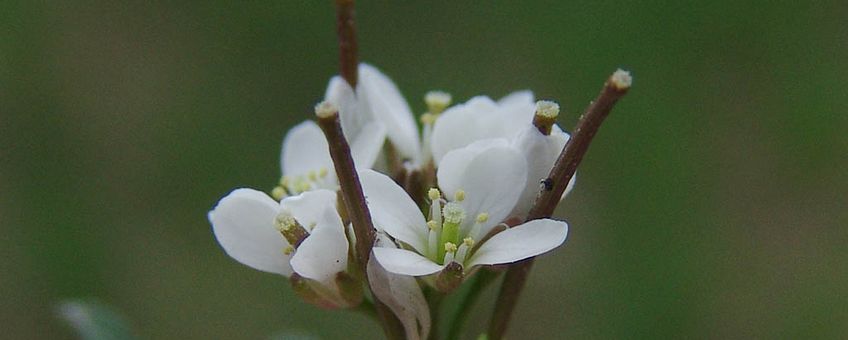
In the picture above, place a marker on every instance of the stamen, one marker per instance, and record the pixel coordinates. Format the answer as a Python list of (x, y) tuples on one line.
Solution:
[(301, 185), (448, 258), (284, 222), (450, 247), (323, 172), (462, 253), (288, 250), (287, 225), (433, 225), (312, 175), (428, 118), (437, 101), (482, 217), (434, 194), (435, 205), (459, 196), (433, 243), (478, 225), (278, 193)]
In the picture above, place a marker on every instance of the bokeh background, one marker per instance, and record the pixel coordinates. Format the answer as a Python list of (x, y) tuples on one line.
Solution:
[(712, 203)]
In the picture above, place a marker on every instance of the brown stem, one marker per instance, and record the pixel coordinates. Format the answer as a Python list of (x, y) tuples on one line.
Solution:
[(356, 208), (348, 47), (354, 199), (516, 276)]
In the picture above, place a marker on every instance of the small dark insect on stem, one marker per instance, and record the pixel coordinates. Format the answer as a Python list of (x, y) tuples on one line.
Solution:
[(553, 186), (547, 184)]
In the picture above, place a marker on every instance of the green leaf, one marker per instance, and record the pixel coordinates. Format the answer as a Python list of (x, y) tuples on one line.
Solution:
[(94, 320)]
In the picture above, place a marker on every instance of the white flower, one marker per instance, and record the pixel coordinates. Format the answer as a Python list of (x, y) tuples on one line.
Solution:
[(380, 101), (381, 98), (510, 118), (481, 118), (483, 181), (401, 294), (253, 229), (304, 158)]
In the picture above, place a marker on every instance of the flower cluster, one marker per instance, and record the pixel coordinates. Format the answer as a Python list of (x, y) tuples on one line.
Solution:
[(446, 197)]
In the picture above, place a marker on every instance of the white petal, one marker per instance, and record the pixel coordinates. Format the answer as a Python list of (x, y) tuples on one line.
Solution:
[(388, 106), (464, 124), (569, 187), (401, 294), (514, 112), (541, 152), (324, 252), (520, 242), (341, 94), (492, 174), (305, 149), (243, 223), (366, 146), (405, 262), (310, 207), (456, 162), (517, 98), (364, 134), (392, 210)]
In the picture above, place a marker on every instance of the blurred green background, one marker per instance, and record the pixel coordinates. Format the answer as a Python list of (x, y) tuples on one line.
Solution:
[(712, 203)]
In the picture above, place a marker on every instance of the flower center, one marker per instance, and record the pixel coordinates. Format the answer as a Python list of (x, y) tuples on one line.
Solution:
[(292, 231), (446, 240), (295, 185)]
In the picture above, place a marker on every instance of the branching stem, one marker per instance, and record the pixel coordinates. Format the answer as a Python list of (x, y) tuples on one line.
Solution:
[(615, 87)]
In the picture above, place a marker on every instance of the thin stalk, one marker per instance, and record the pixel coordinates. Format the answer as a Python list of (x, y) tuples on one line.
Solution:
[(367, 308), (355, 205), (351, 188), (348, 47), (482, 280), (434, 300), (615, 87)]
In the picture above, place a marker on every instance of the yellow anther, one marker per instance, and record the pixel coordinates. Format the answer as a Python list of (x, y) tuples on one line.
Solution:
[(434, 194), (482, 217), (284, 181), (312, 175), (288, 250), (437, 101), (468, 242), (323, 172), (459, 195), (547, 109), (278, 193), (302, 185), (450, 247), (284, 222), (433, 225)]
